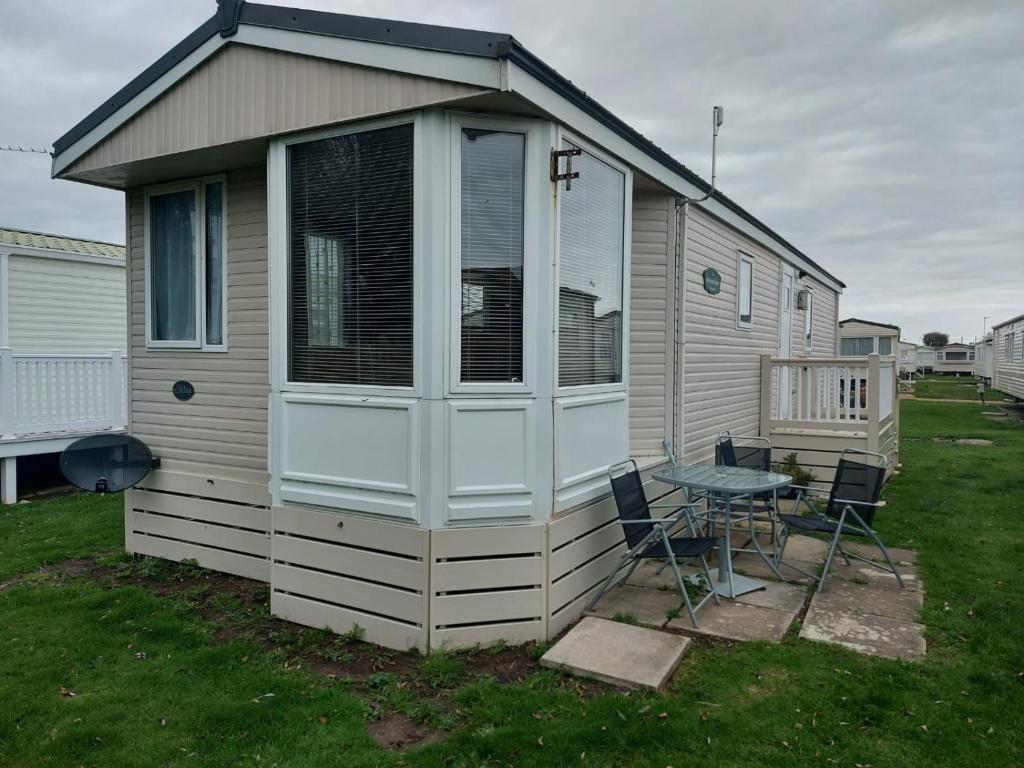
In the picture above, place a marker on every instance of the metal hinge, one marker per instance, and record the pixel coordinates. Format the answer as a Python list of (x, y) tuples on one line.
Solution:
[(569, 174)]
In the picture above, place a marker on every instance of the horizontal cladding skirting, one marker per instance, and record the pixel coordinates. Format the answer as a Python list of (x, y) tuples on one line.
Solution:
[(338, 571), (222, 430), (233, 538), (487, 585)]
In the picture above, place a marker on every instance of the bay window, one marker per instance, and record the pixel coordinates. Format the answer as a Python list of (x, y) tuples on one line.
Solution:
[(350, 242), (590, 274), (186, 265)]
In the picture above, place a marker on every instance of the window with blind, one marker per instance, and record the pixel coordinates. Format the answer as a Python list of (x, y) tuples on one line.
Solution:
[(186, 252), (745, 293), (856, 346), (492, 183), (885, 345), (590, 301), (350, 211), (809, 323)]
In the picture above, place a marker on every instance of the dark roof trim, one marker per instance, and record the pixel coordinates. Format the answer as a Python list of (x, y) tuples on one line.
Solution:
[(425, 36), (1007, 322), (868, 322)]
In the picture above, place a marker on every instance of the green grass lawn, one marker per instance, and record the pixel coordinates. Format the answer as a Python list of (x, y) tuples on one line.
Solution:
[(158, 683), (951, 388)]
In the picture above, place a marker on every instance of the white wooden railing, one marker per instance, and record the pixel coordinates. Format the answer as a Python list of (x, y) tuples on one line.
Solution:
[(840, 390), (41, 394)]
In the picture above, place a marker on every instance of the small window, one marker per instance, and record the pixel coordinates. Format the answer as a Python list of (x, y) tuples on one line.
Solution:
[(745, 293), (957, 355), (1008, 348), (885, 345), (186, 265), (809, 322)]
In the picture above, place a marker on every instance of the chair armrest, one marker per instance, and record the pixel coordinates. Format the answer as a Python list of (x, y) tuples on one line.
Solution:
[(662, 521), (860, 503), (808, 489)]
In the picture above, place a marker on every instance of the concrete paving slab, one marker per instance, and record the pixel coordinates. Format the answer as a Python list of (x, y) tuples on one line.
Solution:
[(863, 573), (871, 552), (734, 620), (880, 599), (752, 565), (648, 606), (865, 633), (617, 653), (806, 548), (777, 595), (646, 575)]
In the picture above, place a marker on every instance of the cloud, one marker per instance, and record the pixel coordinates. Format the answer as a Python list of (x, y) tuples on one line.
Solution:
[(882, 138)]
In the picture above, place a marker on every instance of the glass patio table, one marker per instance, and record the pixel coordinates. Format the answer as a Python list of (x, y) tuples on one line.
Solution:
[(723, 485)]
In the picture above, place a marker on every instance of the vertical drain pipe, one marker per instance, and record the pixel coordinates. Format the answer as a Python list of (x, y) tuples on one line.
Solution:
[(679, 304)]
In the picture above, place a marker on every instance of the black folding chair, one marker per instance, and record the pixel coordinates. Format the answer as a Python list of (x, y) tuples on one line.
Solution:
[(753, 452), (850, 511), (647, 537)]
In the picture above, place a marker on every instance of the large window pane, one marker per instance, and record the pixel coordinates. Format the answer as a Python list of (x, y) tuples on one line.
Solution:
[(492, 184), (215, 263), (590, 275), (172, 255), (351, 249), (884, 345)]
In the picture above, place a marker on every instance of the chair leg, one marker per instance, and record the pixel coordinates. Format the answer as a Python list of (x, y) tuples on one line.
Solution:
[(682, 588), (885, 554), (606, 585), (711, 584), (831, 552)]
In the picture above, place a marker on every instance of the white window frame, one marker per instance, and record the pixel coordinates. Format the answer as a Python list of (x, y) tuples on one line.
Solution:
[(744, 258), (198, 186), (535, 207), (564, 134), (277, 246), (809, 321)]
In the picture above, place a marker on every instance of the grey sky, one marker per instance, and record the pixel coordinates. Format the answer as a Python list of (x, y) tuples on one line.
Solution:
[(884, 139)]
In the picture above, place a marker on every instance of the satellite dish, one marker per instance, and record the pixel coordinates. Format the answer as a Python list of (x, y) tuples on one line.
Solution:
[(107, 463)]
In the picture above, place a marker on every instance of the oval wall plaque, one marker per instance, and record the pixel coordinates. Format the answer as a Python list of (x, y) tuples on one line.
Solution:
[(712, 280), (183, 390)]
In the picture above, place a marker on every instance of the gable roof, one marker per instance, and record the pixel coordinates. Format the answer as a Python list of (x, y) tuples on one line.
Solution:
[(868, 322), (428, 37), (49, 242)]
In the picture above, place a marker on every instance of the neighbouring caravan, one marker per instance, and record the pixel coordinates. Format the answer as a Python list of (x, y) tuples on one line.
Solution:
[(925, 359), (437, 291), (954, 359), (1008, 357), (907, 360), (983, 359), (62, 341), (858, 338)]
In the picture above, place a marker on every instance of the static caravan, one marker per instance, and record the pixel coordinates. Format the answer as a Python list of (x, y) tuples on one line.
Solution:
[(400, 294), (1008, 357), (954, 359), (925, 359), (858, 338), (983, 352), (62, 341), (907, 360)]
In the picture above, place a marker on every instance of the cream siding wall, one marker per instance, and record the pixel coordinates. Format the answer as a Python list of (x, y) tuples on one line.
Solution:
[(722, 375), (244, 92), (222, 431), (63, 306), (824, 320), (650, 351), (1008, 376)]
